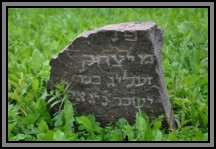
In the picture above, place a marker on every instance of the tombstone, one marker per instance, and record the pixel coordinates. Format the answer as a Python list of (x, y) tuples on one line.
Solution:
[(114, 71)]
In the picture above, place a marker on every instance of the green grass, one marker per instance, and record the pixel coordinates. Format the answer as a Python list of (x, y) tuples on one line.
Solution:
[(36, 35)]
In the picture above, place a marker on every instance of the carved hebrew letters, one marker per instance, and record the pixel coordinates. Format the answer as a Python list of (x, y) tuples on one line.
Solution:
[(114, 60), (128, 35), (104, 100)]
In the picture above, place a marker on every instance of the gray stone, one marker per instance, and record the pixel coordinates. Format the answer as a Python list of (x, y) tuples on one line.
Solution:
[(115, 70)]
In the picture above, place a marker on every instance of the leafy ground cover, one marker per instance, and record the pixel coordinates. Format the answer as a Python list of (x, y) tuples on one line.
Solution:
[(35, 35)]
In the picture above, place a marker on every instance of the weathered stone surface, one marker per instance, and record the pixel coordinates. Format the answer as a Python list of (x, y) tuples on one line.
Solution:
[(115, 70)]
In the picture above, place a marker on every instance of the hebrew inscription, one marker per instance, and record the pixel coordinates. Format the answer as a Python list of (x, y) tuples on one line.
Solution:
[(117, 60), (105, 100), (114, 71)]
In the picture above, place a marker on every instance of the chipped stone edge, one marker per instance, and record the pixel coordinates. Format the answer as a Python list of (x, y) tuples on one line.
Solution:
[(159, 70)]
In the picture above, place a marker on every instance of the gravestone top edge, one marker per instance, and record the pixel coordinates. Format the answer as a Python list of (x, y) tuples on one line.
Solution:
[(121, 27)]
